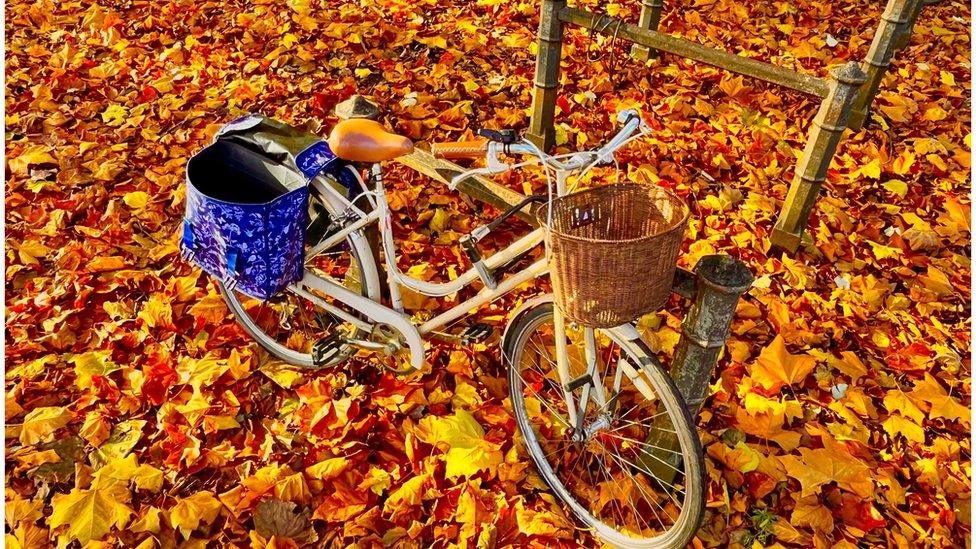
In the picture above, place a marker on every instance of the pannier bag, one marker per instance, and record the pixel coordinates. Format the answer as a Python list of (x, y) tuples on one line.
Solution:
[(247, 203)]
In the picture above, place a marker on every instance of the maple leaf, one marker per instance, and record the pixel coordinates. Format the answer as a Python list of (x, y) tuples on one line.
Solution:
[(189, 512), (409, 493), (41, 423), (329, 468), (776, 367), (810, 512), (123, 439), (765, 418), (541, 523), (31, 156), (896, 424), (276, 518), (89, 514), (928, 392), (94, 363), (469, 451), (817, 467)]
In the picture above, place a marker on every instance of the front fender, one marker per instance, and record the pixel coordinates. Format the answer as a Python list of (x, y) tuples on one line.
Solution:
[(626, 331)]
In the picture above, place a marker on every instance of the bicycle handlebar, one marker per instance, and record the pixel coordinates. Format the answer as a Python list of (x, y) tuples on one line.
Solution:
[(630, 118), (460, 149)]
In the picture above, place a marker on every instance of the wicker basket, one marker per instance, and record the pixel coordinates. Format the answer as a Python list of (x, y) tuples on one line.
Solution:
[(613, 251)]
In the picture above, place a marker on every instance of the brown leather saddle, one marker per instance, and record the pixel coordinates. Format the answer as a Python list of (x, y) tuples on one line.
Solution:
[(364, 140)]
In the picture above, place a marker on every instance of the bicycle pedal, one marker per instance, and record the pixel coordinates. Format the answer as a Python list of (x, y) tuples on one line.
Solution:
[(327, 349), (475, 333)]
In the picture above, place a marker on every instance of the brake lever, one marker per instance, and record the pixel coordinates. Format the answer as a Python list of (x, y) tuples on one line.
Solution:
[(506, 136)]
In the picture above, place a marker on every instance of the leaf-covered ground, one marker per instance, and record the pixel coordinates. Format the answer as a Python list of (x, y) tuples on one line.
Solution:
[(139, 413)]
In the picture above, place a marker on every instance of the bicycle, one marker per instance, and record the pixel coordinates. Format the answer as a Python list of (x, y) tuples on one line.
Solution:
[(621, 455)]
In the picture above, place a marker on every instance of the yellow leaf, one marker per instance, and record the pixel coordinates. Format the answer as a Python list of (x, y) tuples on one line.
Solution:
[(95, 430), (469, 451), (811, 513), (188, 513), (542, 523), (903, 163), (202, 372), (106, 263), (935, 113), (881, 251), (776, 367), (898, 401), (898, 188), (896, 424), (136, 200), (440, 221), (929, 392), (562, 136), (33, 155), (328, 469), (148, 522), (817, 467), (91, 364), (409, 494), (872, 169), (115, 475), (765, 418), (124, 438), (378, 480), (157, 311), (115, 115), (41, 423), (89, 515), (212, 308), (741, 458)]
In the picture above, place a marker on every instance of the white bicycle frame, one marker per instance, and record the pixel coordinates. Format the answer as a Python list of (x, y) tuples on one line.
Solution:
[(396, 318)]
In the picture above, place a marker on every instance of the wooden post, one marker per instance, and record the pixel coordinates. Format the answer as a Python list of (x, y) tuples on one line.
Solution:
[(719, 281), (905, 30), (650, 18), (541, 130), (811, 170), (894, 20)]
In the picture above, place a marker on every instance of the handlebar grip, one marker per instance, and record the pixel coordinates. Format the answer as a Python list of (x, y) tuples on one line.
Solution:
[(460, 149)]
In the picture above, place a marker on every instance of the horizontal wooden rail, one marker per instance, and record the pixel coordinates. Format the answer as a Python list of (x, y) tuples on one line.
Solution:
[(478, 187), (679, 46)]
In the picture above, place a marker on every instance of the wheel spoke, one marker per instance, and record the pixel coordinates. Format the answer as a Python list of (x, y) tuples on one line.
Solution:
[(603, 470)]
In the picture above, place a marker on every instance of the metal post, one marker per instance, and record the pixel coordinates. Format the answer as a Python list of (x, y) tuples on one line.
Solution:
[(811, 170), (541, 131), (650, 18), (894, 20), (720, 280)]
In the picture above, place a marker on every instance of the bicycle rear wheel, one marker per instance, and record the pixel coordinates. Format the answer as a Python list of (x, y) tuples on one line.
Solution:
[(635, 472), (287, 325)]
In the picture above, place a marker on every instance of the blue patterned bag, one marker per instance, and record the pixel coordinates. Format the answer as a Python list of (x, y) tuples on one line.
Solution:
[(247, 200)]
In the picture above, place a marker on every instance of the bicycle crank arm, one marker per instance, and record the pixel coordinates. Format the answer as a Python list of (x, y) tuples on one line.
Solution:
[(374, 311)]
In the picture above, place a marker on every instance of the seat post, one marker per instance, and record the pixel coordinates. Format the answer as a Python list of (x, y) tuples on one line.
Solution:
[(358, 106)]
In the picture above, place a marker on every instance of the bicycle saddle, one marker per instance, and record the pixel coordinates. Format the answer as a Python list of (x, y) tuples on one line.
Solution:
[(364, 140)]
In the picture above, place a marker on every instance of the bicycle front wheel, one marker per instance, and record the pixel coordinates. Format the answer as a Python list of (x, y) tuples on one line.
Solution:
[(631, 469)]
